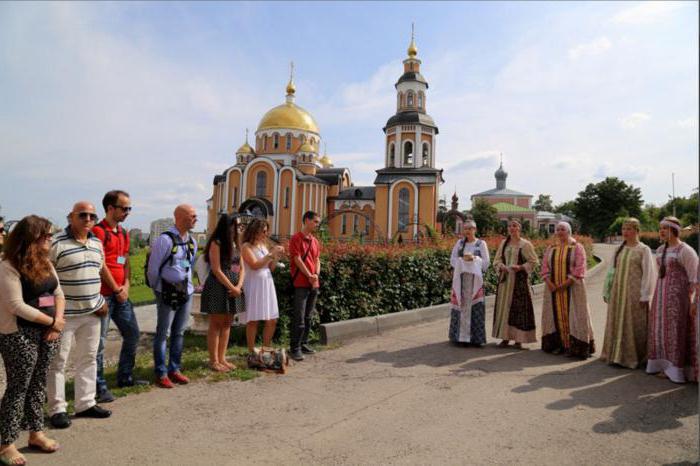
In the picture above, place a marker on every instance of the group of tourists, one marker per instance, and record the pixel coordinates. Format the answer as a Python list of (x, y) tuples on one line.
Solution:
[(650, 318), (58, 294)]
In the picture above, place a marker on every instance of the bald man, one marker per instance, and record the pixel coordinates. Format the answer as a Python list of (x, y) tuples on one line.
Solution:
[(78, 258), (170, 274)]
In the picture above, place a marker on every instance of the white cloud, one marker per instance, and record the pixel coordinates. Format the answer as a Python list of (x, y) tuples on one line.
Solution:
[(627, 173), (634, 120), (688, 123), (595, 47), (646, 12)]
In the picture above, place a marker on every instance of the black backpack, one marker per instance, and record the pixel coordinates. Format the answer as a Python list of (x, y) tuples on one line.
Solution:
[(108, 234), (173, 250)]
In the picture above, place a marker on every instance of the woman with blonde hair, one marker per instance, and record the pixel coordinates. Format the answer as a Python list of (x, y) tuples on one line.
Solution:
[(632, 286), (672, 331), (566, 319), (514, 315), (259, 286)]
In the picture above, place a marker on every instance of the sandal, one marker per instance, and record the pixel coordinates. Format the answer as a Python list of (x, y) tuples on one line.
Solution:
[(16, 459), (229, 365), (46, 445), (217, 367)]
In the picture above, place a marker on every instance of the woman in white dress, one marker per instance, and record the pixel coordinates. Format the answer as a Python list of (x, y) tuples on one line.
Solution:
[(259, 287)]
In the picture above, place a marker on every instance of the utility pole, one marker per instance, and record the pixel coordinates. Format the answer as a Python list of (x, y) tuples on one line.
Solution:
[(673, 192)]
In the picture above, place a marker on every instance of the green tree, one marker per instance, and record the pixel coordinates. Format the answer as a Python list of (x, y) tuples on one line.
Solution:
[(484, 214), (543, 203), (566, 208), (597, 206)]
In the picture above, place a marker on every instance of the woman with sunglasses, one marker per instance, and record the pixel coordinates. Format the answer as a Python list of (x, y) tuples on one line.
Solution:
[(221, 297), (259, 286), (31, 321)]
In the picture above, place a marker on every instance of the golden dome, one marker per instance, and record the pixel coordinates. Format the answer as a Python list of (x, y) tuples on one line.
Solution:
[(306, 147), (412, 49), (326, 161), (245, 149), (288, 115)]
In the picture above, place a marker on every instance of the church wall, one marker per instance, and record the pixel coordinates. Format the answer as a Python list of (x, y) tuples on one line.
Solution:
[(426, 204), (234, 186), (381, 202), (285, 212), (252, 178)]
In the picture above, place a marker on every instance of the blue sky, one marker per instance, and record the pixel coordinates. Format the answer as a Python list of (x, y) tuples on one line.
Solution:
[(155, 97)]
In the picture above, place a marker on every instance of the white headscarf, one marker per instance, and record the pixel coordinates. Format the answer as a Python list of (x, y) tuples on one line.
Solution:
[(565, 225)]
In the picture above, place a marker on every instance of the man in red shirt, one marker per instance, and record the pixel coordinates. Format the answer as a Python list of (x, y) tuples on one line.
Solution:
[(305, 258), (115, 242)]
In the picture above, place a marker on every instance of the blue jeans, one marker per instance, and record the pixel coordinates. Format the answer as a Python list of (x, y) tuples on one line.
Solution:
[(170, 323), (124, 318)]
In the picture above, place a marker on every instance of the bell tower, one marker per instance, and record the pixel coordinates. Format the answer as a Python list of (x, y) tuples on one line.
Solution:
[(411, 132)]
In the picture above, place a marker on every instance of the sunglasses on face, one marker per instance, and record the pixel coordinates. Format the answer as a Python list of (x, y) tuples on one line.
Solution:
[(90, 216), (126, 209)]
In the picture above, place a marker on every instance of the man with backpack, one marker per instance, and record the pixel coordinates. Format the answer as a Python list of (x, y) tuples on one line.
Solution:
[(115, 243), (304, 254), (169, 273)]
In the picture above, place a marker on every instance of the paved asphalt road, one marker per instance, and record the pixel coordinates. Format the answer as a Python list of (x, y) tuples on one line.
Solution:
[(405, 397)]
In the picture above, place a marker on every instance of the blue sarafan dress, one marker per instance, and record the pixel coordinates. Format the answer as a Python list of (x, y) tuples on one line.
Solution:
[(467, 316)]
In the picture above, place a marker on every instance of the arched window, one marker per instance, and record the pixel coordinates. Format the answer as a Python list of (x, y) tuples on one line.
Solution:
[(392, 155), (409, 100), (426, 154), (288, 144), (407, 153), (275, 141), (265, 143), (356, 224), (261, 184), (404, 203), (343, 225), (420, 100), (286, 198)]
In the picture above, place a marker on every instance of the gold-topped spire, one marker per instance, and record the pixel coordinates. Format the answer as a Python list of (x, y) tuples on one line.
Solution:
[(245, 148), (291, 88), (326, 161), (412, 49)]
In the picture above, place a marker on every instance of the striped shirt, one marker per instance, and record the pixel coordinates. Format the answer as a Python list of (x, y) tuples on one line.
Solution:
[(78, 267)]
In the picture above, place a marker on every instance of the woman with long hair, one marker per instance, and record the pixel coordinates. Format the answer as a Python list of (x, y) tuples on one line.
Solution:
[(632, 286), (31, 321), (566, 319), (259, 286), (469, 260), (672, 341), (514, 315), (222, 294)]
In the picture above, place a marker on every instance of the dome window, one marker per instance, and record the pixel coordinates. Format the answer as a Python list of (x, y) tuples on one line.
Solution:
[(276, 141), (408, 153), (261, 184), (420, 100), (265, 142), (392, 155), (426, 154), (409, 99), (288, 144)]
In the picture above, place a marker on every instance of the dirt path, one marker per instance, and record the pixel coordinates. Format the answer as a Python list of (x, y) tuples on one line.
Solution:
[(405, 397)]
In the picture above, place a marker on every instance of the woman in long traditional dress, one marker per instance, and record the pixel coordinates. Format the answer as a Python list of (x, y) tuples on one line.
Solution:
[(514, 315), (470, 259), (671, 330), (628, 303), (566, 319)]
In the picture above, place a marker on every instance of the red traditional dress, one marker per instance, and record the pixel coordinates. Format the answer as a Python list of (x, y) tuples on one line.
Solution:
[(672, 333)]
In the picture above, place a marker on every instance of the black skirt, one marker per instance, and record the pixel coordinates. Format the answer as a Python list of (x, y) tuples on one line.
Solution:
[(215, 297)]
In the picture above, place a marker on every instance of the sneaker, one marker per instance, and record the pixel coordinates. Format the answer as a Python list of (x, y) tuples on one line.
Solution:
[(104, 396), (130, 382), (164, 382), (296, 355), (60, 421), (178, 377), (95, 412), (306, 349)]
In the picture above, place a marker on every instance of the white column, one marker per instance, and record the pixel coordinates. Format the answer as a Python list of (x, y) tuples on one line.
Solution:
[(418, 151)]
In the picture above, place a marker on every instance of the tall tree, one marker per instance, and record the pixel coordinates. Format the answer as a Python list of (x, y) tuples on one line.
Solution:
[(484, 214), (566, 208), (597, 206), (543, 203)]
